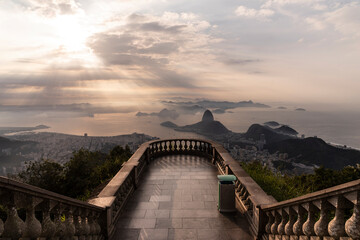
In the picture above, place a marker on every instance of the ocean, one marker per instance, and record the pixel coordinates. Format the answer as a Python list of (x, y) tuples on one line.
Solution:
[(341, 128)]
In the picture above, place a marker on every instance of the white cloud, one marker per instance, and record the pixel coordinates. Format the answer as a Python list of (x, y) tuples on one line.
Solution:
[(52, 8), (315, 23), (271, 3), (345, 19), (243, 11)]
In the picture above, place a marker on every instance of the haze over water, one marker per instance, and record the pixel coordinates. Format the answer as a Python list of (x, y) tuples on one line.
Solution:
[(336, 127)]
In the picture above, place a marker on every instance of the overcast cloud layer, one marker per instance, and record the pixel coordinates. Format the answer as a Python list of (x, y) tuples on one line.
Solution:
[(120, 56)]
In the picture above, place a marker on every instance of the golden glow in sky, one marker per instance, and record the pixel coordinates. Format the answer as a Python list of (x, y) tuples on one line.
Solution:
[(107, 52)]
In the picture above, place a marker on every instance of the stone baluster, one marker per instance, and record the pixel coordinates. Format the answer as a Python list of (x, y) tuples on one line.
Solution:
[(292, 219), (60, 228), (284, 219), (186, 145), (1, 221), (196, 146), (321, 225), (308, 226), (77, 223), (191, 146), (270, 222), (85, 223), (336, 226), (1, 227), (181, 146), (69, 223), (200, 146), (33, 227), (97, 225), (92, 225), (297, 229), (48, 226), (276, 223), (242, 193), (352, 225), (166, 146), (177, 145), (13, 226)]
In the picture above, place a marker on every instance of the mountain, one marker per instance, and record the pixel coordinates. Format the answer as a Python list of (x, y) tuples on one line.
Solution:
[(256, 130), (286, 130), (7, 143), (272, 124), (164, 113), (312, 151), (169, 124), (207, 127)]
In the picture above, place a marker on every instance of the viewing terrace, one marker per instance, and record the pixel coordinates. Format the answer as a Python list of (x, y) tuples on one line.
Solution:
[(168, 190)]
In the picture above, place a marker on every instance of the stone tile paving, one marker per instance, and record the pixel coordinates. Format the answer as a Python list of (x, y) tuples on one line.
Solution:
[(177, 199)]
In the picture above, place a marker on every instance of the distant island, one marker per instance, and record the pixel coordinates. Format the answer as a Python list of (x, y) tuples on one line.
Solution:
[(281, 107), (300, 109), (8, 130), (165, 113), (218, 107)]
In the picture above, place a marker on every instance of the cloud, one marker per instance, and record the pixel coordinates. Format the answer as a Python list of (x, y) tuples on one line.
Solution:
[(272, 3), (52, 8), (345, 19), (315, 23), (238, 61), (82, 109), (262, 13), (154, 44)]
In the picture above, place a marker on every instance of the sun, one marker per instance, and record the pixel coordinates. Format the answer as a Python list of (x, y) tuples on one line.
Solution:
[(71, 33)]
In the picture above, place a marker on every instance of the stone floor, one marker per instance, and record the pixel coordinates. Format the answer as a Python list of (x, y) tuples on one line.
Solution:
[(177, 199)]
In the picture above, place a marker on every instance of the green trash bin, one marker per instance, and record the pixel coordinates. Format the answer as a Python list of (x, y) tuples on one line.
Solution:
[(226, 200)]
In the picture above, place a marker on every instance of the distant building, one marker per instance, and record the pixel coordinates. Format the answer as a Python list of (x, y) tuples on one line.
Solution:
[(261, 142), (85, 134)]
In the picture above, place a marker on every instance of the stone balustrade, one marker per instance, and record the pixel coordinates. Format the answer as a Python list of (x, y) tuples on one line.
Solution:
[(43, 214), (33, 213), (329, 214), (248, 194)]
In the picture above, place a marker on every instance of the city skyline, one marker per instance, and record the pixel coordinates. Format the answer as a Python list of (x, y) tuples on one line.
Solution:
[(124, 56)]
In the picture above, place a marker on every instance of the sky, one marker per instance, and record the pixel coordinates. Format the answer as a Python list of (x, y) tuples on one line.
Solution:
[(98, 57)]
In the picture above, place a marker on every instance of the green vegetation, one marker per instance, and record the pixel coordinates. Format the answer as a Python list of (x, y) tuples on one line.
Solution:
[(283, 187), (80, 176)]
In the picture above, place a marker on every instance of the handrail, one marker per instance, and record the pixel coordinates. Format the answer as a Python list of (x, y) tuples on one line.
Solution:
[(288, 218), (97, 219), (248, 194), (81, 219)]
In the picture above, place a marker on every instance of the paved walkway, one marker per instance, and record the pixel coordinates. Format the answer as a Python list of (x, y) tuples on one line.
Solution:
[(177, 199)]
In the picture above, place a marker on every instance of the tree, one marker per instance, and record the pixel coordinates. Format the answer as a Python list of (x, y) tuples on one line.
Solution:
[(45, 174), (80, 176)]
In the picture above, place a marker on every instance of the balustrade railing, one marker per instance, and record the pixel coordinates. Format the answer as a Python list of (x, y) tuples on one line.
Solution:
[(320, 215), (44, 214), (248, 194), (333, 213)]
